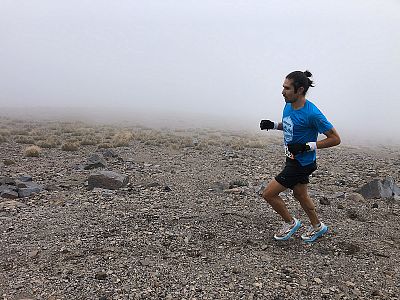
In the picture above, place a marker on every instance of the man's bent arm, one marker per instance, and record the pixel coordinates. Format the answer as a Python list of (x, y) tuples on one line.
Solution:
[(280, 126), (332, 139)]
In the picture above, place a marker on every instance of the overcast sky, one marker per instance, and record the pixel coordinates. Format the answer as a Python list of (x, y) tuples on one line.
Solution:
[(223, 58)]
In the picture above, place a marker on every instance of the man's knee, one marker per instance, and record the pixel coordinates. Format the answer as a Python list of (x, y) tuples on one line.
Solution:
[(269, 195)]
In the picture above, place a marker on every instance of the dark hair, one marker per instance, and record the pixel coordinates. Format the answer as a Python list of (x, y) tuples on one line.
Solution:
[(301, 79)]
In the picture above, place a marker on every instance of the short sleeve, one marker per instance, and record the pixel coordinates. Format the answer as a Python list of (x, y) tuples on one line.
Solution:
[(320, 122)]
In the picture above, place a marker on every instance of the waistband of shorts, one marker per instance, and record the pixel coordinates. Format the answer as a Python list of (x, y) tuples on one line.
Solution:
[(295, 163)]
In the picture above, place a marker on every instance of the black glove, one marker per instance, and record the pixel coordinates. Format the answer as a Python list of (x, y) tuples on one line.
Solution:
[(298, 148), (266, 124)]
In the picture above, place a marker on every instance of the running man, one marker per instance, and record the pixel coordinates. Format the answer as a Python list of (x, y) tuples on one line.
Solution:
[(301, 123)]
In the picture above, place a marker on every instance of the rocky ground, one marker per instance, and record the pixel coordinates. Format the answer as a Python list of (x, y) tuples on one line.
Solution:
[(190, 225)]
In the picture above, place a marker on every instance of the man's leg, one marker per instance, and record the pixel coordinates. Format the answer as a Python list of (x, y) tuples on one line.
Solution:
[(301, 194), (271, 194)]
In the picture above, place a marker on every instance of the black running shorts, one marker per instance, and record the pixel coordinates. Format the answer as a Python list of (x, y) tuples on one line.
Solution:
[(295, 173)]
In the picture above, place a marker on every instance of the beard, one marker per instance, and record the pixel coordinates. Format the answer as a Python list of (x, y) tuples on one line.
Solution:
[(290, 100)]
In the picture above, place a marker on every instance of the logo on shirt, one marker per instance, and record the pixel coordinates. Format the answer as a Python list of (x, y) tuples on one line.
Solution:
[(287, 129)]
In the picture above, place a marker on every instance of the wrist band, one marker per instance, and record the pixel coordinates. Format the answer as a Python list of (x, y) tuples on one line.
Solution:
[(312, 145)]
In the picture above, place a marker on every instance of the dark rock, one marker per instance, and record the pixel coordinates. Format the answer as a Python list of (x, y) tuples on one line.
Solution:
[(340, 206), (377, 188), (26, 189), (8, 194), (107, 180), (375, 205), (352, 214), (167, 189), (349, 248), (110, 153), (25, 178), (325, 201), (7, 180), (8, 187), (95, 161), (100, 276)]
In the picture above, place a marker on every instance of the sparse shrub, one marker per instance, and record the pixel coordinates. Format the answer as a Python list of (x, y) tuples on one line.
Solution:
[(122, 139), (8, 162), (22, 139), (32, 151), (88, 140), (104, 146), (50, 142), (70, 146)]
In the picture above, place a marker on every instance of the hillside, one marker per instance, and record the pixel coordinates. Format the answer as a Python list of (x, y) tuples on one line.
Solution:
[(190, 223)]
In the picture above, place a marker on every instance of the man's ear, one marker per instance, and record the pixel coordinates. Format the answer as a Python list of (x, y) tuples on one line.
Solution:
[(300, 90)]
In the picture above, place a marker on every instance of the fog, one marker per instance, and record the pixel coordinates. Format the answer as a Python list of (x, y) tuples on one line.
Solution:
[(195, 62)]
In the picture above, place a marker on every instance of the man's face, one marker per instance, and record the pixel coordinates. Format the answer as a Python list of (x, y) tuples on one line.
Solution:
[(288, 91)]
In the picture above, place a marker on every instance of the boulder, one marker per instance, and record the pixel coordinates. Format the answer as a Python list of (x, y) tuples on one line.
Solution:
[(25, 178), (110, 153), (377, 188), (8, 194), (95, 161), (107, 180), (26, 189)]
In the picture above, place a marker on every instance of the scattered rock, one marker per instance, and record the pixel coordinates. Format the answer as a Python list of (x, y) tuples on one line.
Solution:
[(95, 161), (110, 153), (25, 178), (107, 180), (167, 189), (325, 201), (100, 276), (8, 194), (377, 188)]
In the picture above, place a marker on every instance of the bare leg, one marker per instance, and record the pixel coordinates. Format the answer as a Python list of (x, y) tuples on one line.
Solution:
[(271, 194), (301, 194)]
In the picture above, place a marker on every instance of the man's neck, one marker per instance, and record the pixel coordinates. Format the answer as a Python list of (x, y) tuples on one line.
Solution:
[(299, 103)]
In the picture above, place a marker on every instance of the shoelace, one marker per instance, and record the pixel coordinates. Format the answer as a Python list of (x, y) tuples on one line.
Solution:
[(310, 231), (285, 228)]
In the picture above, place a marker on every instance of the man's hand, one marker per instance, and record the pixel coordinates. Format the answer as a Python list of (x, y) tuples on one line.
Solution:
[(267, 124), (300, 148)]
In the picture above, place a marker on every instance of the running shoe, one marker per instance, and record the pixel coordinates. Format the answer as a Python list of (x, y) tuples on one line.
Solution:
[(312, 234), (287, 230)]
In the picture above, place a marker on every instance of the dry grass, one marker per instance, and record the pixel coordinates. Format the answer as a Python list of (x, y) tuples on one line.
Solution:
[(71, 135), (23, 139), (122, 139), (70, 146), (32, 151), (50, 142)]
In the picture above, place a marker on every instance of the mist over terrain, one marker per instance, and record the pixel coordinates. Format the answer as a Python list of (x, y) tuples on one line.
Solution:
[(201, 63)]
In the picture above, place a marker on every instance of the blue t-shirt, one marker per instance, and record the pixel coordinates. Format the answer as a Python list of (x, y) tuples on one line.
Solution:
[(302, 126)]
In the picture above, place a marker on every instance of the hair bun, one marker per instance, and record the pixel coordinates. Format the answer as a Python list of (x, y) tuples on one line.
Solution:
[(307, 73)]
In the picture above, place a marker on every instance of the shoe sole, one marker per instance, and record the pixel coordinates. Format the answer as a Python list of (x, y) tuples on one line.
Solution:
[(317, 235), (291, 232)]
